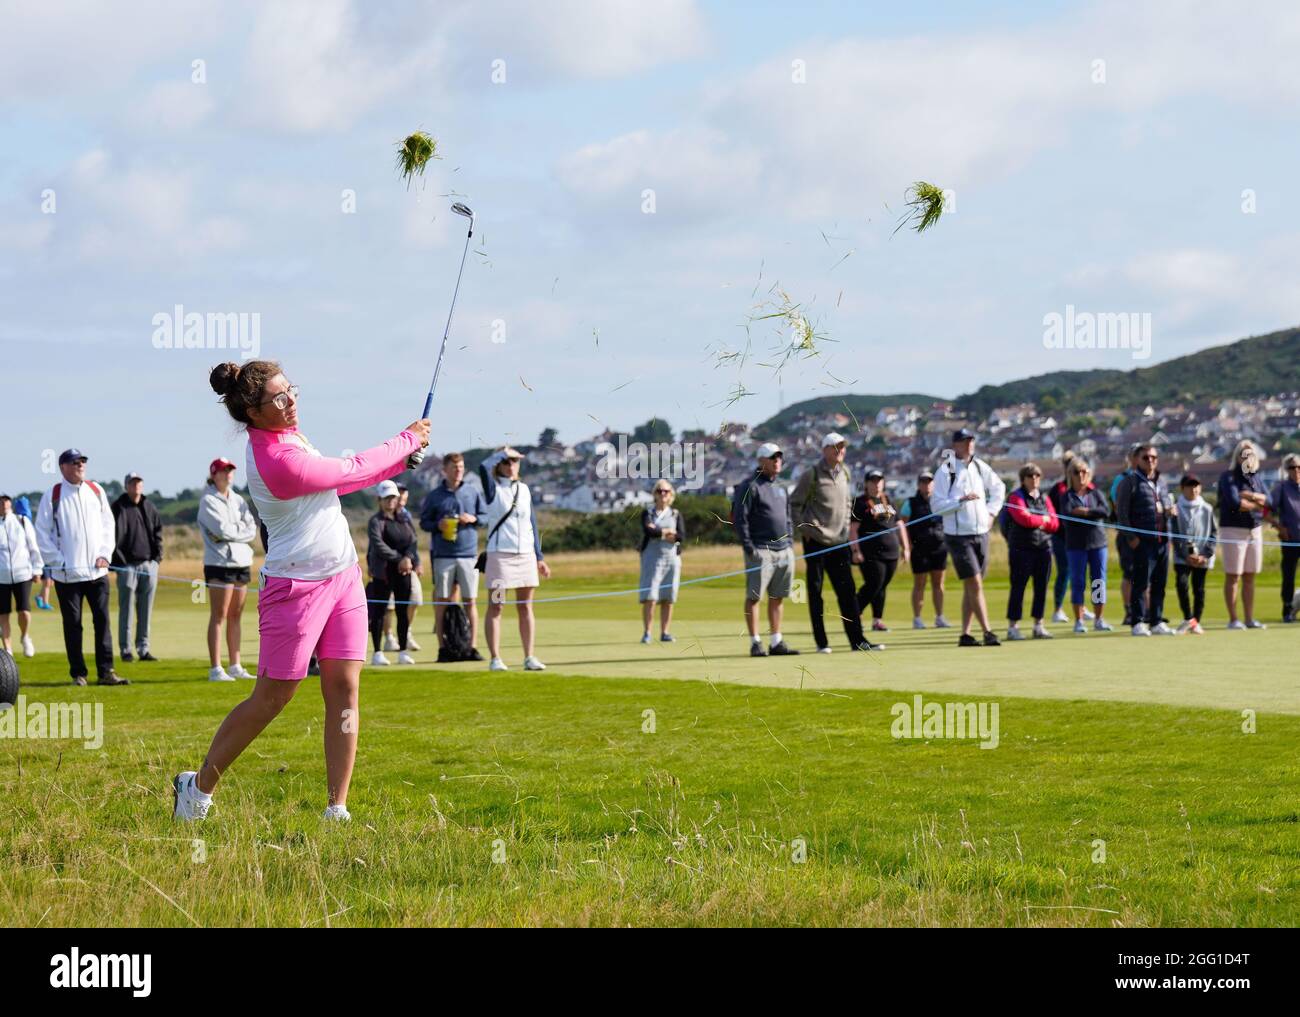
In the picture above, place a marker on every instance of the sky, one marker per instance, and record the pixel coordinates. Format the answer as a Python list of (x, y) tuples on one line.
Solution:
[(648, 179)]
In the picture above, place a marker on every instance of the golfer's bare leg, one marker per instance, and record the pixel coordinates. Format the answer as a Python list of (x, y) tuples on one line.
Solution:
[(218, 604), (339, 684), (979, 604), (647, 613), (936, 589), (244, 723), (471, 612), (918, 594), (1230, 583), (967, 611), (665, 616), (234, 623), (1248, 596), (751, 616)]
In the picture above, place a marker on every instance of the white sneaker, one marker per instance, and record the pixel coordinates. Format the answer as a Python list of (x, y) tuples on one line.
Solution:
[(1141, 629), (1087, 615), (824, 649), (1102, 625), (940, 622), (1256, 624), (218, 674), (390, 642), (237, 671), (337, 814), (1060, 617), (533, 664), (379, 660), (497, 664), (918, 623), (1161, 629), (1080, 629), (1183, 629), (1236, 625), (29, 648), (411, 644), (1041, 633), (188, 802), (1014, 635), (405, 658)]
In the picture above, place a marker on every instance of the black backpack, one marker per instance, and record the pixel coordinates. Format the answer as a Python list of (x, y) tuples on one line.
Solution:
[(455, 634)]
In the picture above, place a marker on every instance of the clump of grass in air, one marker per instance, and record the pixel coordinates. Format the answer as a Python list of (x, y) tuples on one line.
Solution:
[(925, 206), (413, 155)]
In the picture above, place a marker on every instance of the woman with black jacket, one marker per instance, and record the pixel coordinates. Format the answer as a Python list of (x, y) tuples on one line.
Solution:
[(392, 558), (878, 538), (662, 531), (1084, 510)]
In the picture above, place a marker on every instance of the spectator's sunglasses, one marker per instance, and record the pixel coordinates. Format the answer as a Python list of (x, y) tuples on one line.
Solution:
[(281, 399), (1295, 466), (1080, 472), (1150, 457)]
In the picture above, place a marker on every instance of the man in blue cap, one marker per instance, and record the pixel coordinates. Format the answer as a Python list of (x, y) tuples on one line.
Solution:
[(76, 534)]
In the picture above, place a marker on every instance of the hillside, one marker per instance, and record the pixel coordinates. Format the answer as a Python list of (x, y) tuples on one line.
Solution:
[(1249, 367), (864, 407)]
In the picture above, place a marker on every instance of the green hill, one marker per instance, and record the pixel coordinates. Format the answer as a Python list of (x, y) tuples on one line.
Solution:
[(1260, 365), (864, 407)]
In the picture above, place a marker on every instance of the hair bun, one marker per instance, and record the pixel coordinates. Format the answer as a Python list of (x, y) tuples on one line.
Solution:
[(224, 377)]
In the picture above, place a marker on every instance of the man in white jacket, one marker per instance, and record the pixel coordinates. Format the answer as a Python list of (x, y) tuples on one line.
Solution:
[(970, 496), (20, 560), (76, 533)]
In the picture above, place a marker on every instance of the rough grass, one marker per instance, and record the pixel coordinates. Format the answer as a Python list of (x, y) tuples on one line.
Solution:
[(523, 799)]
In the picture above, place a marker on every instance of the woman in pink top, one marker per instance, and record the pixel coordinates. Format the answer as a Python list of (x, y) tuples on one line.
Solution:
[(312, 599)]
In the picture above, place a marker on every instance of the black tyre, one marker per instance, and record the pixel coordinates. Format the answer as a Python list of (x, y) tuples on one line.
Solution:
[(8, 678)]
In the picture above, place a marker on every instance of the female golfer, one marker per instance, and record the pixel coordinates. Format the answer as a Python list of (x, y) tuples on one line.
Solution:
[(661, 560), (311, 599), (514, 552), (228, 529)]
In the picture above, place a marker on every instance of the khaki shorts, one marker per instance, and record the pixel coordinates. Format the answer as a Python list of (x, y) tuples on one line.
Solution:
[(772, 572), (449, 572), (1242, 550)]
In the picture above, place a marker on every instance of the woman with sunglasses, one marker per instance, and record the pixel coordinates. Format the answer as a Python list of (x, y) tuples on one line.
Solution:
[(1084, 511), (312, 600), (1033, 521), (662, 531), (1242, 502)]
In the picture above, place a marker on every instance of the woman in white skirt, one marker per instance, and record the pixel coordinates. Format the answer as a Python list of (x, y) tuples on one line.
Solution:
[(661, 560), (513, 555), (1242, 501)]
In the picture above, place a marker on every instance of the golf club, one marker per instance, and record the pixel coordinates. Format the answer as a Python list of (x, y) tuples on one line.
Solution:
[(459, 208)]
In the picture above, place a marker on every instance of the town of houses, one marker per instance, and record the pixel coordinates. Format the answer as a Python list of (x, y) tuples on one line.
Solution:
[(595, 475)]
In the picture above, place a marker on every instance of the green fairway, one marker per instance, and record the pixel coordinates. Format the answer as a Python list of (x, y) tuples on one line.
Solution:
[(1123, 789)]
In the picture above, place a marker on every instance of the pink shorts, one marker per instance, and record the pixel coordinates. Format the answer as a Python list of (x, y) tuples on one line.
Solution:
[(300, 617)]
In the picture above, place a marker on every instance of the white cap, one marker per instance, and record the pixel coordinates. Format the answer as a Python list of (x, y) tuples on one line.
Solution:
[(767, 450), (386, 489), (834, 438)]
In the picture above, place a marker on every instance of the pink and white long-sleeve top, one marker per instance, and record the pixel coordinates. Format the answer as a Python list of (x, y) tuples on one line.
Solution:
[(296, 491)]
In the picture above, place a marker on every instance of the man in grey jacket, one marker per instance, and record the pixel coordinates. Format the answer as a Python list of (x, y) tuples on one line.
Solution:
[(760, 512), (821, 505)]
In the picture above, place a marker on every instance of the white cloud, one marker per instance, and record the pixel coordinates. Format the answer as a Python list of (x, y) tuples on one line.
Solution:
[(174, 106)]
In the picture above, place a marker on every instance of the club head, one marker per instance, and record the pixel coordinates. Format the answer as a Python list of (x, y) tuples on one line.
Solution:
[(462, 209)]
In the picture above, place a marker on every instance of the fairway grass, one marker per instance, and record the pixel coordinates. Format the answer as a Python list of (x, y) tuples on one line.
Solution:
[(557, 798)]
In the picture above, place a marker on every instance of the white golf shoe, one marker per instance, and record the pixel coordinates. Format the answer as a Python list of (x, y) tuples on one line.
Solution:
[(411, 644), (188, 802), (405, 658), (390, 642), (533, 664), (940, 622), (337, 814), (497, 664), (379, 660), (1060, 617), (237, 671), (1141, 629), (1014, 635), (29, 648), (918, 623), (218, 674), (1041, 633), (1161, 629)]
